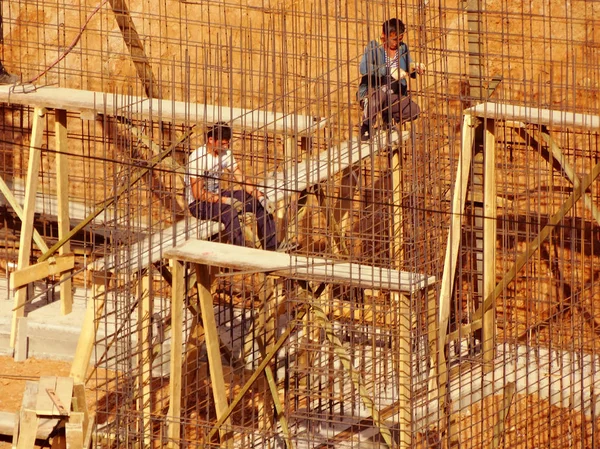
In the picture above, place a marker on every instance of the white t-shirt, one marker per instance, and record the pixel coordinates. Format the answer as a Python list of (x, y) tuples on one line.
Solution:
[(202, 164)]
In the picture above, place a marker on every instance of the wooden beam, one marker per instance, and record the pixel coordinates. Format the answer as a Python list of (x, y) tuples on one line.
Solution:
[(33, 168), (177, 304), (453, 243), (136, 47), (62, 194), (489, 243), (533, 246), (89, 328), (33, 273), (296, 267), (10, 197), (404, 369), (144, 394), (213, 351)]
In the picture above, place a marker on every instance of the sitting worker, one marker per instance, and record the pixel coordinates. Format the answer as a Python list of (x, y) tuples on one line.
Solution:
[(385, 68), (208, 201)]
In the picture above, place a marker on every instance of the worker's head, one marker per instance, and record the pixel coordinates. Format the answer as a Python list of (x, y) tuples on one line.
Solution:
[(218, 136), (392, 33)]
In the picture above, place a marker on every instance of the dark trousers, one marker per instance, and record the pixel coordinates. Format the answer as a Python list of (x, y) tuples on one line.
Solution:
[(227, 215), (390, 105)]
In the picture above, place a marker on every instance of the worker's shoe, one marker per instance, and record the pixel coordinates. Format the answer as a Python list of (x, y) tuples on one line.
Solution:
[(7, 78), (365, 132)]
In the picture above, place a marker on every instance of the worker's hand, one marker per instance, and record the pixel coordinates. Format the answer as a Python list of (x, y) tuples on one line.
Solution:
[(418, 67), (268, 205), (235, 204), (398, 73)]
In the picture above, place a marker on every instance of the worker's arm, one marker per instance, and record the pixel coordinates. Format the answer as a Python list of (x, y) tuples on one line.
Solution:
[(251, 190), (200, 193)]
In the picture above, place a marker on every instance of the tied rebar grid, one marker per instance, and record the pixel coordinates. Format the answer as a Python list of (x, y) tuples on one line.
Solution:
[(357, 366)]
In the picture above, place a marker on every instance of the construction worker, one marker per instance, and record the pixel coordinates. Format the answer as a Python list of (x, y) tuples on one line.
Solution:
[(385, 68), (208, 201)]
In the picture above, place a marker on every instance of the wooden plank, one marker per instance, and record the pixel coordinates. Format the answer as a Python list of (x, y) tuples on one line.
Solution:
[(44, 404), (87, 337), (147, 251), (79, 396), (177, 304), (28, 424), (296, 177), (450, 260), (74, 431), (297, 267), (563, 119), (129, 106), (62, 194), (213, 351), (489, 243), (39, 271), (33, 168), (64, 391), (12, 200)]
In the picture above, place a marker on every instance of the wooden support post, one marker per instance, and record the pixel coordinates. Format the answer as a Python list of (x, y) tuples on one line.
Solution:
[(404, 369), (452, 247), (145, 363), (212, 347), (489, 244), (62, 195), (404, 312), (21, 344), (33, 168), (89, 328), (74, 431), (80, 405), (177, 304)]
